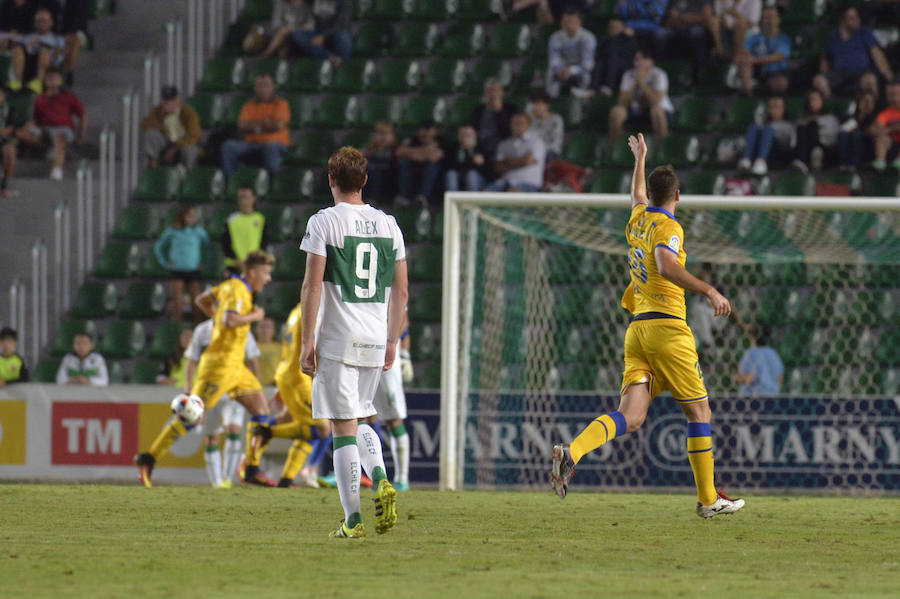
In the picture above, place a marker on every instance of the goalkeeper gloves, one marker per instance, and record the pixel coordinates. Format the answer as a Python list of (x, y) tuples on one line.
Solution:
[(406, 366)]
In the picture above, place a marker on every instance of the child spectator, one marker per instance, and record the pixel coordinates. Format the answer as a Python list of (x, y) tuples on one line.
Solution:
[(175, 367), (520, 159), (854, 140), (765, 54), (887, 131), (546, 125), (8, 141), (419, 161), (12, 366), (760, 371), (269, 350), (245, 231), (570, 61), (643, 100), (172, 132), (83, 366), (465, 161), (739, 17), (180, 249), (53, 121), (380, 155), (264, 122), (36, 53), (772, 139), (817, 131)]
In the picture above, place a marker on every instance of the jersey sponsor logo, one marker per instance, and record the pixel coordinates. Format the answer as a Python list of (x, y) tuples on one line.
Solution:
[(88, 433), (674, 243)]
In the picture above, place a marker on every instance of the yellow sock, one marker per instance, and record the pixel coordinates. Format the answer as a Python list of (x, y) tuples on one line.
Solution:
[(296, 458), (168, 435), (255, 443), (699, 445), (600, 431), (288, 430)]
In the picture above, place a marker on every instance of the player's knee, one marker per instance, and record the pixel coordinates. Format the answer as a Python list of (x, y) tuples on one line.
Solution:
[(635, 421)]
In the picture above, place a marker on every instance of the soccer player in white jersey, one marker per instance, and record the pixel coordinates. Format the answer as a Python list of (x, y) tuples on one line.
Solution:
[(353, 300), (226, 417)]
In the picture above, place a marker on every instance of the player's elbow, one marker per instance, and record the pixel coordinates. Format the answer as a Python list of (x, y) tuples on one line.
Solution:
[(400, 294)]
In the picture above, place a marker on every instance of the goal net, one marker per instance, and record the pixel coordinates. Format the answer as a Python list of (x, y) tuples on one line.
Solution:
[(533, 333)]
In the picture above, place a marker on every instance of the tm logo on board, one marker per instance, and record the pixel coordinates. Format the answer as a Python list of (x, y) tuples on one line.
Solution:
[(96, 434)]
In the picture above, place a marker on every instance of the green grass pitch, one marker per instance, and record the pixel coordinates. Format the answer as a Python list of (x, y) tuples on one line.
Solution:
[(170, 541)]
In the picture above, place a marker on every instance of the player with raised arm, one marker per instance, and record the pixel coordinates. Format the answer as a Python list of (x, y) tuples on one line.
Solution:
[(222, 369), (355, 288), (660, 353)]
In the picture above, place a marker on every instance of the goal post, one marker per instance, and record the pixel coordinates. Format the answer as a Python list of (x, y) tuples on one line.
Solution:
[(531, 289)]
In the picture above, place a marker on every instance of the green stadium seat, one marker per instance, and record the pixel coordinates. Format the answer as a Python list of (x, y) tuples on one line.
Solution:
[(202, 184), (22, 104), (426, 264), (581, 149), (248, 176), (795, 381), (143, 299), (712, 79), (234, 38), (461, 110), (258, 10), (303, 110), (887, 186), (696, 115), (150, 267), (611, 182), (146, 371), (425, 304), (223, 75), (726, 150), (158, 184), (509, 40), (233, 112), (445, 76), (603, 9), (314, 186), (803, 11), (463, 40), (280, 223), (210, 108), (214, 265), (424, 342), (118, 260), (97, 9), (679, 150), (490, 68), (435, 10), (398, 75), (852, 180), (704, 183), (95, 299), (165, 340), (358, 139), (310, 150), (477, 10), (277, 68), (337, 112), (415, 40), (123, 339), (794, 348), (354, 75), (795, 183), (62, 343), (391, 10), (431, 376), (530, 75), (138, 221), (45, 371), (569, 108), (380, 108), (437, 227), (287, 187), (598, 112), (422, 108), (621, 156), (215, 226), (415, 223), (541, 41), (740, 114), (372, 40), (282, 300), (290, 265), (310, 75), (680, 76), (116, 372)]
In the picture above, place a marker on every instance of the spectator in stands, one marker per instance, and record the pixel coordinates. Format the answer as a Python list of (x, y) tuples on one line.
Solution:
[(464, 162), (817, 132), (264, 121), (852, 57), (269, 350), (36, 53), (74, 27), (760, 371), (8, 142), (180, 249), (738, 18), (766, 55), (886, 131), (289, 16), (172, 132), (615, 53), (175, 366), (245, 231), (491, 119), (16, 19), (419, 161), (12, 365), (82, 366), (520, 159), (53, 122), (643, 100), (693, 23), (331, 37), (570, 57), (546, 125), (854, 140), (643, 19), (772, 139), (382, 169)]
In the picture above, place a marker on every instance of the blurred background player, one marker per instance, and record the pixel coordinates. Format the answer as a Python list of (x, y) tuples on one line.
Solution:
[(228, 415), (269, 351), (363, 298), (660, 351), (222, 369), (82, 366)]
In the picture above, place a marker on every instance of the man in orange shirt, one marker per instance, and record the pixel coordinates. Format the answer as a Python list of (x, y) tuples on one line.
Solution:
[(264, 122), (886, 130)]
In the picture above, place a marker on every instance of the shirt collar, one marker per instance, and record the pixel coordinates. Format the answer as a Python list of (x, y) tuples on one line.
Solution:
[(244, 281), (662, 210)]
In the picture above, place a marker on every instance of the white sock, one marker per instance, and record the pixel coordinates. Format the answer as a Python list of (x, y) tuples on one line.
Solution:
[(400, 451), (213, 461), (346, 472), (370, 452), (234, 453)]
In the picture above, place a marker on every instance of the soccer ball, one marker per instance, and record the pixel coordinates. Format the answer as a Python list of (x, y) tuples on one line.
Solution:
[(188, 409)]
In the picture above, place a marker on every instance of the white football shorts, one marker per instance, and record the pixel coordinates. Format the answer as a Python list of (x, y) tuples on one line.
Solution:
[(226, 412), (344, 392)]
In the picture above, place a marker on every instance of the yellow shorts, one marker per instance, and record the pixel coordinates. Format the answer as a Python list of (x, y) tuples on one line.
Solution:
[(296, 394), (214, 380), (662, 352)]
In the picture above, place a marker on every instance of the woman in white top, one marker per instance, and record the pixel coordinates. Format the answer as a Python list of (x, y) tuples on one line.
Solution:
[(739, 17)]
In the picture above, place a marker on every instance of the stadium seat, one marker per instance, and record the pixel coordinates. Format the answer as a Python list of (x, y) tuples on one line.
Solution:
[(202, 184), (233, 112), (740, 113), (290, 265), (165, 340), (150, 267), (123, 339), (95, 299), (607, 181), (214, 265), (280, 223), (508, 40), (621, 156), (803, 11), (45, 371), (116, 372), (426, 263), (258, 10), (488, 68), (310, 75), (215, 226), (679, 150), (461, 110), (143, 299), (424, 342), (23, 105), (358, 139), (598, 112), (530, 75), (704, 183), (416, 39), (463, 40), (391, 10), (380, 108), (570, 109), (398, 75), (581, 148), (444, 76), (680, 76), (477, 10), (223, 75), (887, 186), (696, 115), (118, 260), (371, 40), (287, 187), (310, 150), (434, 10), (158, 184), (354, 76), (726, 150), (437, 227), (303, 110), (431, 376), (62, 343), (414, 222), (146, 371), (852, 180), (138, 221), (795, 183), (794, 347), (210, 108), (248, 176), (337, 112), (422, 108), (282, 300), (425, 304), (277, 68)]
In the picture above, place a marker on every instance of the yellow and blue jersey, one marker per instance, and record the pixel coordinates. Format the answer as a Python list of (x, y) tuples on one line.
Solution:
[(291, 345), (228, 344)]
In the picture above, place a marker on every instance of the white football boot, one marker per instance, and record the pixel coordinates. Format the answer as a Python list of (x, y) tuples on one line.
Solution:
[(722, 505)]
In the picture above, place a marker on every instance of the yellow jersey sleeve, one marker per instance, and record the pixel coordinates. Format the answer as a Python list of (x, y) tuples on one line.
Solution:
[(670, 236)]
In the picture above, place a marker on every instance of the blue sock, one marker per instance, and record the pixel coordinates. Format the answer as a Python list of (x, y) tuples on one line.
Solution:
[(320, 448), (377, 426)]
